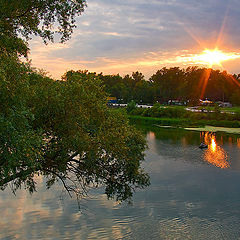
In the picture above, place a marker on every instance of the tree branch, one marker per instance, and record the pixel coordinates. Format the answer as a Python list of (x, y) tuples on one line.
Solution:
[(18, 175)]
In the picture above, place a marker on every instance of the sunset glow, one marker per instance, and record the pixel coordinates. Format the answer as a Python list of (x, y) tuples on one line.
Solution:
[(213, 145), (215, 154), (214, 57)]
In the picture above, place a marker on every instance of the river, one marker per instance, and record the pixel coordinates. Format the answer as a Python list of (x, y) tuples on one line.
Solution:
[(194, 194)]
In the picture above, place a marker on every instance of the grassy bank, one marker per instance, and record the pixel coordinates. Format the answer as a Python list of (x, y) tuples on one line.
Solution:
[(182, 122)]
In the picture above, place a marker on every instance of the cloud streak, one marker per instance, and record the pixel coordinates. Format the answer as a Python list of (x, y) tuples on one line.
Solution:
[(116, 36)]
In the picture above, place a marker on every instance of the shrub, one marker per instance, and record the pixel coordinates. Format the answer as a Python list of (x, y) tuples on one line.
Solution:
[(131, 106), (168, 112)]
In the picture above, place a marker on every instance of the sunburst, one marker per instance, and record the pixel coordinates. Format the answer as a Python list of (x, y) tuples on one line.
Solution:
[(213, 57)]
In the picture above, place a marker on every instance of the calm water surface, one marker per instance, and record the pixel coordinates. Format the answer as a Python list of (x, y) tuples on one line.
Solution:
[(194, 194)]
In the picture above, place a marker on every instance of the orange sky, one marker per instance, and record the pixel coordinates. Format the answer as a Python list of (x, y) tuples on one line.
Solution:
[(125, 37)]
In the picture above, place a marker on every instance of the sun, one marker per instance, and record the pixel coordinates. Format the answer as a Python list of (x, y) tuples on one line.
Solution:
[(213, 57)]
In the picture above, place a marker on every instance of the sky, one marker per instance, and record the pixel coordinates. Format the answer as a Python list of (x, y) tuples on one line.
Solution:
[(116, 36)]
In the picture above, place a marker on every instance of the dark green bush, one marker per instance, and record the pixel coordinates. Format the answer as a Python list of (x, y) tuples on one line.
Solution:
[(165, 112), (131, 106), (138, 111), (179, 116)]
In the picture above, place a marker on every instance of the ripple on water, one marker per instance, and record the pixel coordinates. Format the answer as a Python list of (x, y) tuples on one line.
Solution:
[(188, 228)]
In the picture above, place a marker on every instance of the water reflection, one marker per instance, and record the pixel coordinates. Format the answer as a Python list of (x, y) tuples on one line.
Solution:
[(186, 200), (151, 135), (215, 154), (238, 142), (223, 149)]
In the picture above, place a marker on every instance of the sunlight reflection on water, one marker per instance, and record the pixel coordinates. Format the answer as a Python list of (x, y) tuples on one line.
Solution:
[(215, 154)]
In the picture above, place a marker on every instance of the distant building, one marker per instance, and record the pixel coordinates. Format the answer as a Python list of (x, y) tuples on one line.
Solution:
[(224, 104), (176, 102), (205, 102), (111, 100), (144, 106)]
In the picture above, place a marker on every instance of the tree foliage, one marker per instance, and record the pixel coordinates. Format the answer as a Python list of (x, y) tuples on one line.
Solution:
[(60, 129), (128, 88), (23, 18), (64, 130), (192, 84)]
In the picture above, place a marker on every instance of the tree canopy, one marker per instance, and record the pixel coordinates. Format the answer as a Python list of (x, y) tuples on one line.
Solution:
[(174, 83), (19, 19), (65, 131), (60, 129)]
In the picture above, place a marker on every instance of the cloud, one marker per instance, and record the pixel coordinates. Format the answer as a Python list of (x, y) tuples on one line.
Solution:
[(125, 32)]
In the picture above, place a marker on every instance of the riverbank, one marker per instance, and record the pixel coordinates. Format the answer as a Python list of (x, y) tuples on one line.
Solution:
[(183, 122), (215, 129)]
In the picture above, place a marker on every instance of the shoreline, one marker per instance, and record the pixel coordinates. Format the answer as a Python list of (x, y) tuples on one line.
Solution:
[(189, 124)]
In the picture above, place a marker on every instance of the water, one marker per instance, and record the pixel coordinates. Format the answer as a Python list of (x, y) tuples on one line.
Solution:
[(194, 194)]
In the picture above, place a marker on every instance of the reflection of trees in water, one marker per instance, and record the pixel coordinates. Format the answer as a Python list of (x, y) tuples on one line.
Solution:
[(175, 135), (181, 144), (238, 142)]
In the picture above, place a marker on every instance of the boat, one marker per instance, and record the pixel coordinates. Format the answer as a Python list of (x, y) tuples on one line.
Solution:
[(203, 145)]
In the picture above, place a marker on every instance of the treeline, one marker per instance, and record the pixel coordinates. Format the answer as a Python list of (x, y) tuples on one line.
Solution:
[(190, 84)]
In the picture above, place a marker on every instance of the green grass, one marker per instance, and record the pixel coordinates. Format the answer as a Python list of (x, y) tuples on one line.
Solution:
[(211, 108), (182, 122), (233, 109), (215, 129), (176, 122)]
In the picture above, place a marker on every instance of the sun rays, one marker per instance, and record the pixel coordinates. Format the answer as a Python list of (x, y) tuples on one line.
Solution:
[(214, 57), (211, 57)]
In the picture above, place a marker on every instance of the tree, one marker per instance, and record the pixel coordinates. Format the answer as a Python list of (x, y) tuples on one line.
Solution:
[(167, 83), (143, 92), (19, 19), (131, 106), (235, 98), (137, 76), (64, 130), (60, 129)]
